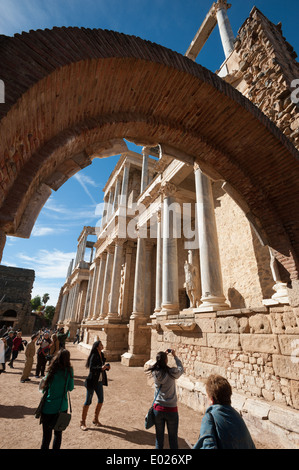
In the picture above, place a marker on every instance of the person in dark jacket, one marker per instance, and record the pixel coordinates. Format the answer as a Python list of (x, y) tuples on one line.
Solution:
[(222, 427), (94, 382), (17, 346)]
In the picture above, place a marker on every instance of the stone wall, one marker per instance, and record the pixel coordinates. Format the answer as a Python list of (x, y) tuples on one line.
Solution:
[(15, 295), (257, 350)]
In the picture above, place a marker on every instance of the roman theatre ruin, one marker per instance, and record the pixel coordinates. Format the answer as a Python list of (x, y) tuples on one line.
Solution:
[(198, 247)]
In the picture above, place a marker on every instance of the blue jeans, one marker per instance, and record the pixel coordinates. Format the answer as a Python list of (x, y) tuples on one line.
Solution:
[(99, 392), (171, 419)]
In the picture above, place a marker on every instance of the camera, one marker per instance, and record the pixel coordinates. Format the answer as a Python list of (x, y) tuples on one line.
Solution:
[(107, 365), (169, 350)]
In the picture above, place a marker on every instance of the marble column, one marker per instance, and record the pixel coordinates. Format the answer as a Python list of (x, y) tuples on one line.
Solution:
[(170, 287), (107, 283), (63, 307), (125, 184), (211, 278), (225, 29), (115, 282), (99, 285), (139, 282), (281, 295), (110, 205), (144, 174), (158, 265), (116, 194), (104, 216), (93, 289)]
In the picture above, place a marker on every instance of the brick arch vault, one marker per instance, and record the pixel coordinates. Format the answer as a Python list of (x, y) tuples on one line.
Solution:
[(73, 94)]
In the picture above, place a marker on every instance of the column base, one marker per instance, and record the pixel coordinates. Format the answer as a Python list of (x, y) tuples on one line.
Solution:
[(170, 309), (133, 360), (212, 304)]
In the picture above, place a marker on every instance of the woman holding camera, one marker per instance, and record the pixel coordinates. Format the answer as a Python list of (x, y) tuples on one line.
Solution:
[(94, 382), (165, 406)]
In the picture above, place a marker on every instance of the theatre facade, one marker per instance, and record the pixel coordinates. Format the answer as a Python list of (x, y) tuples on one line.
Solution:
[(179, 262)]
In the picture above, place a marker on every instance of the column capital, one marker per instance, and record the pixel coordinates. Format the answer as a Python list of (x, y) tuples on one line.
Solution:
[(220, 4), (167, 189)]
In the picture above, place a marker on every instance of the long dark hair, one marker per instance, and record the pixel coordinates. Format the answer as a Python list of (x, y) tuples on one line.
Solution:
[(94, 350), (160, 364), (61, 361)]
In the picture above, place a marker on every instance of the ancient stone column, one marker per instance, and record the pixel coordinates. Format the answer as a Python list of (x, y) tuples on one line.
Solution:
[(110, 205), (158, 265), (144, 174), (139, 283), (107, 283), (99, 286), (116, 194), (125, 184), (115, 282), (225, 29), (170, 288), (63, 307), (104, 216), (93, 289), (211, 278)]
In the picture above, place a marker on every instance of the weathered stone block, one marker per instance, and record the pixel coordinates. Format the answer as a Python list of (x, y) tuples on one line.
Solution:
[(288, 344), (260, 324), (284, 367), (257, 408), (225, 341), (287, 419), (227, 325), (208, 355), (295, 393), (260, 343)]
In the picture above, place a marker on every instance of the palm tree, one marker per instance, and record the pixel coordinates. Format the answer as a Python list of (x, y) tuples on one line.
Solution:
[(45, 298)]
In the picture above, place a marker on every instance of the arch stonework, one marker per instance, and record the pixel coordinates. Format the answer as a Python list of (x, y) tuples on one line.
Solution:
[(73, 94)]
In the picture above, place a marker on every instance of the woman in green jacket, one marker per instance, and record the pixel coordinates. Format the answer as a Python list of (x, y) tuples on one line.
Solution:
[(59, 380)]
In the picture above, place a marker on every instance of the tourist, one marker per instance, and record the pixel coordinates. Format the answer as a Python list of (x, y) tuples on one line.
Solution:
[(29, 357), (9, 337), (62, 337), (94, 382), (2, 354), (222, 427), (54, 347), (59, 380), (42, 353), (17, 346), (77, 336), (165, 406)]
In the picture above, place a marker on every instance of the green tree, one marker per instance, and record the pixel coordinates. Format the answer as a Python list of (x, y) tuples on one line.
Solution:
[(49, 313), (36, 302)]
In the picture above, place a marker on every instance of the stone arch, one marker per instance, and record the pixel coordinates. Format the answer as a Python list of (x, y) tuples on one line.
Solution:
[(10, 313), (73, 94)]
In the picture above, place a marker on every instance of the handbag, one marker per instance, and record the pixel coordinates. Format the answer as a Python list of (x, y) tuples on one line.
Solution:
[(64, 418), (38, 411), (149, 420)]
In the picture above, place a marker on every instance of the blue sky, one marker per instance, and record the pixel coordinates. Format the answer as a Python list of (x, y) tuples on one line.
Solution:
[(171, 23)]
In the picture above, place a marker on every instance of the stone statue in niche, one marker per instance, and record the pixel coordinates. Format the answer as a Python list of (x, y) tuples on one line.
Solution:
[(192, 281), (121, 290)]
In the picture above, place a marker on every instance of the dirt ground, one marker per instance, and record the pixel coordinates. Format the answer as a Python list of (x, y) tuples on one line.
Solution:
[(126, 401)]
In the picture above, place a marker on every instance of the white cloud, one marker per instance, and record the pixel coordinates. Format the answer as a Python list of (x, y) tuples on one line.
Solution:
[(84, 180), (42, 231), (57, 211), (48, 264)]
